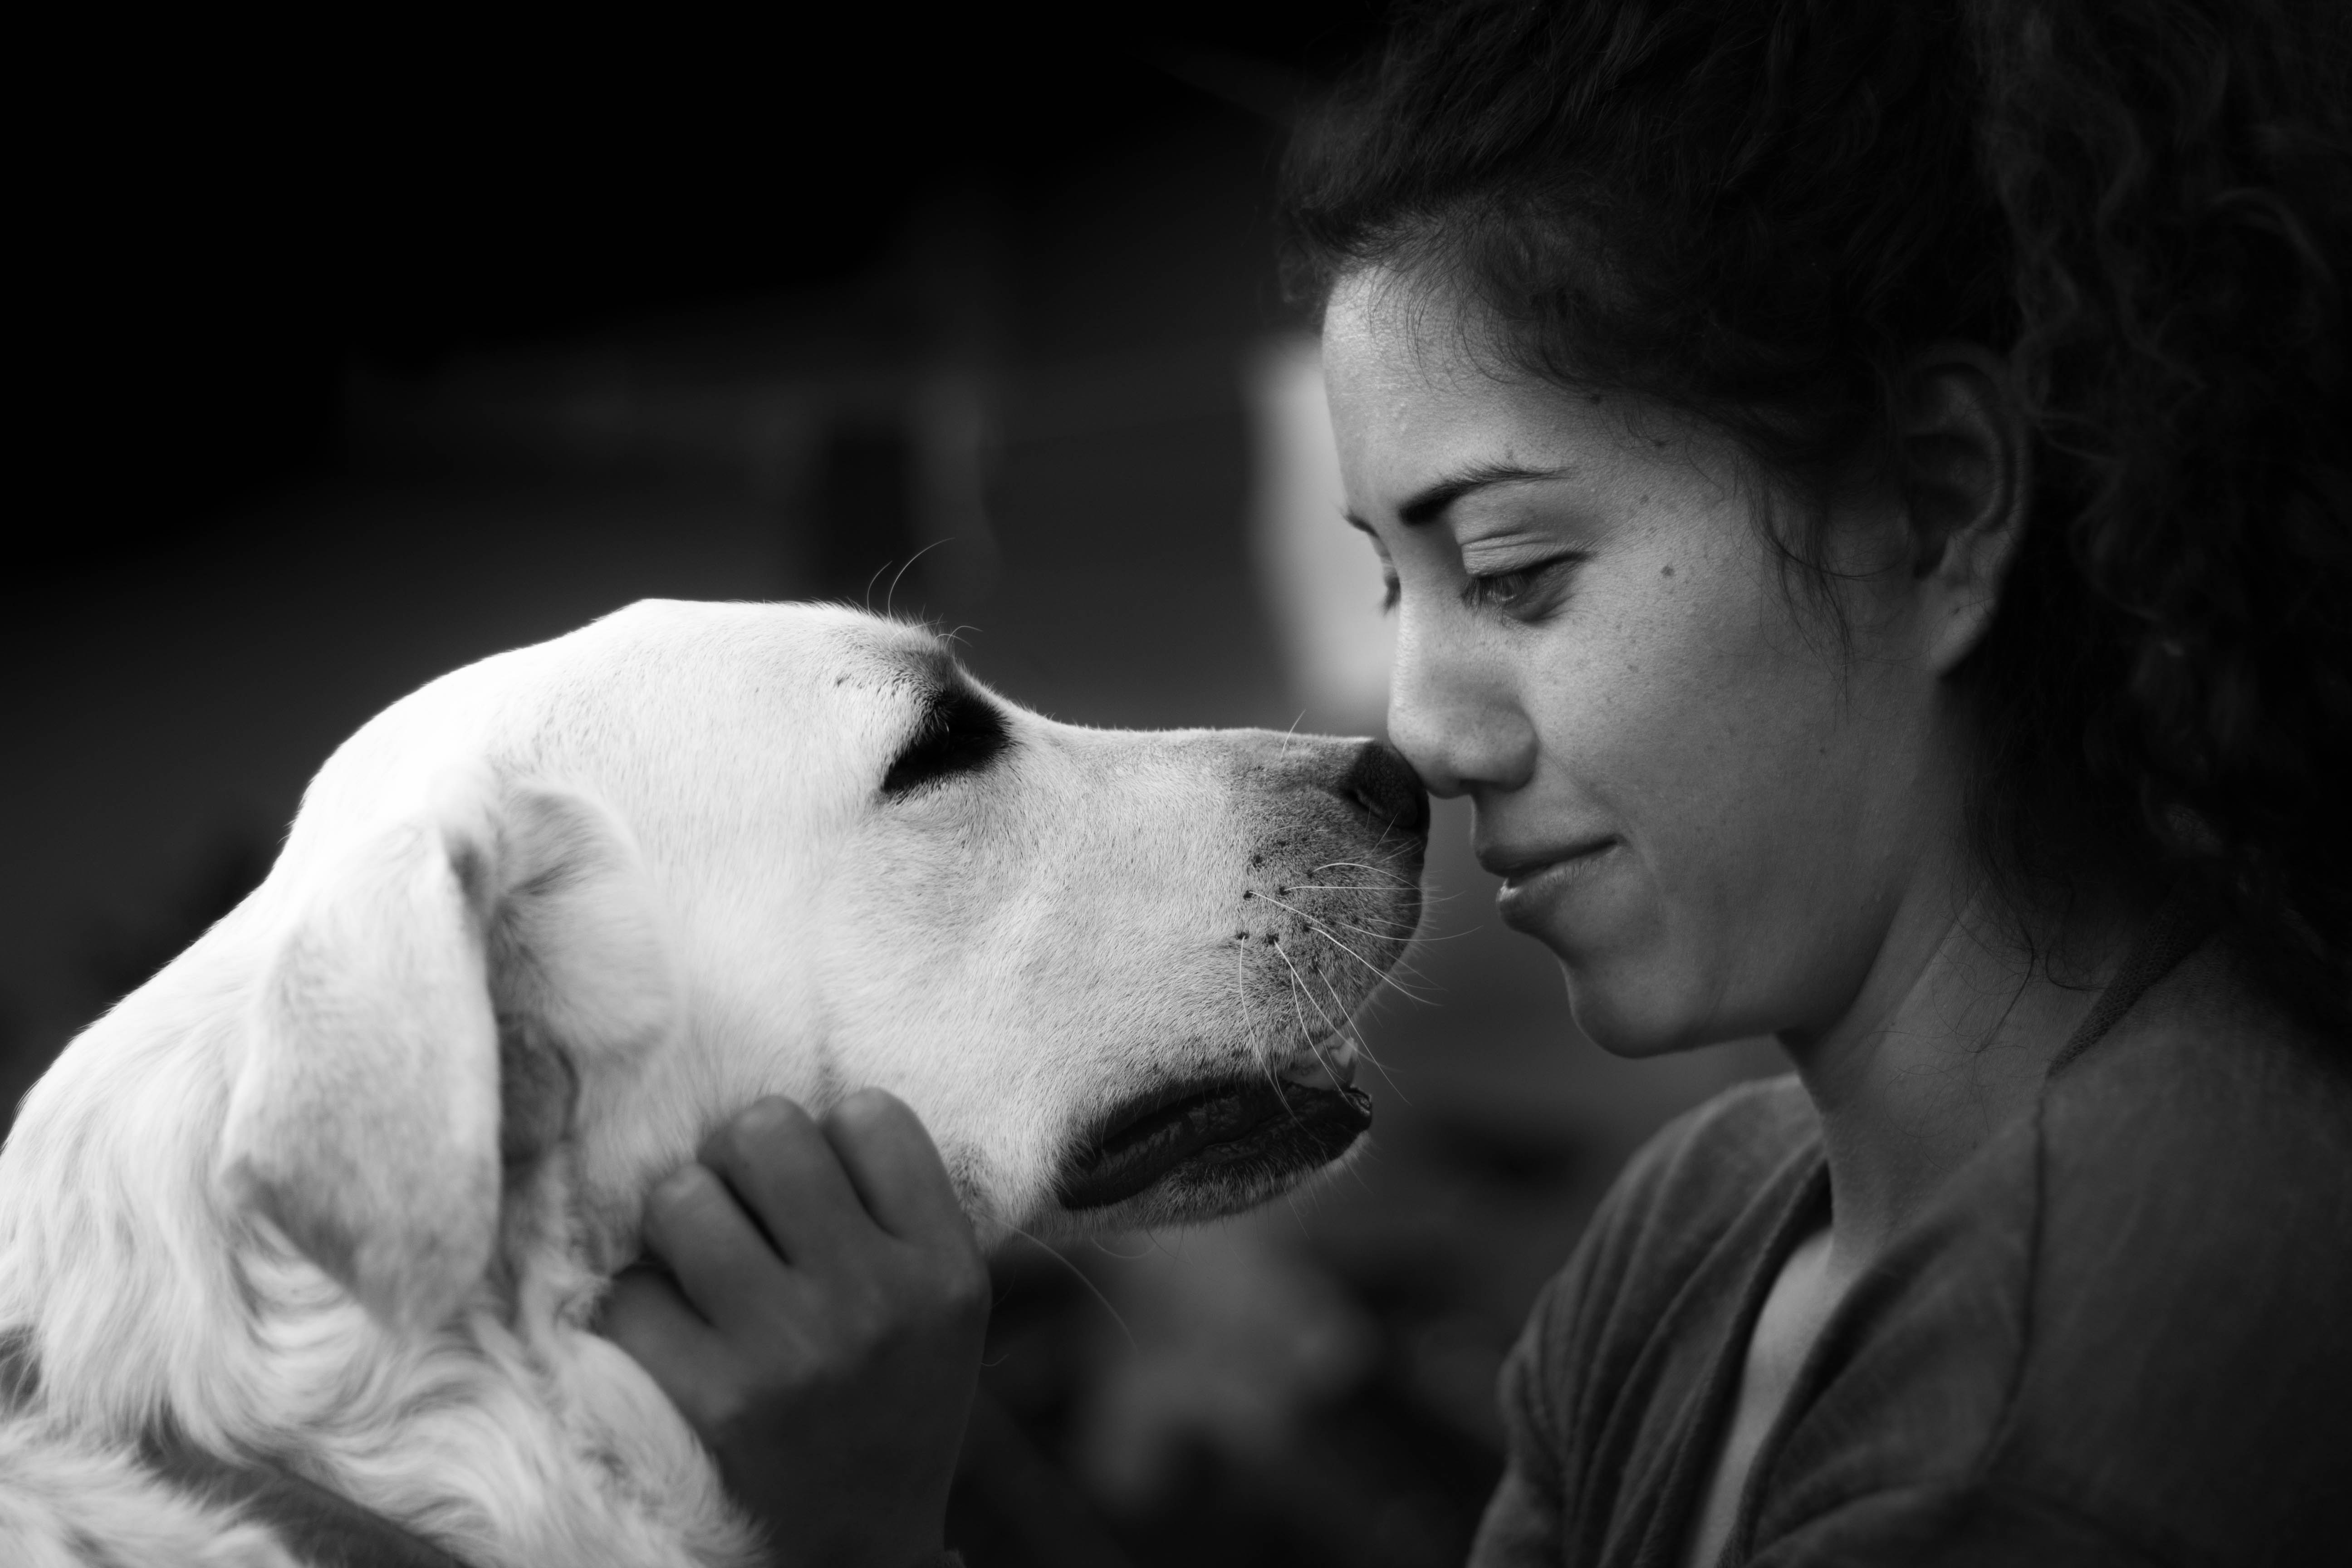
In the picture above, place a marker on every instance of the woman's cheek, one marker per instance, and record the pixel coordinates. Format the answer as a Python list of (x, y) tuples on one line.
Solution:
[(1631, 982)]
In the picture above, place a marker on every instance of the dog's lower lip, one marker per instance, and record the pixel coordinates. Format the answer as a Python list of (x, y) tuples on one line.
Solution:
[(1210, 1124)]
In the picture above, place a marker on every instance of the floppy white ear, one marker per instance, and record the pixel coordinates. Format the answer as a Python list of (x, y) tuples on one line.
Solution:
[(445, 984)]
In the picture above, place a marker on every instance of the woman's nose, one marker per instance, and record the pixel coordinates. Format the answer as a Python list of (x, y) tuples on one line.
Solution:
[(1458, 724)]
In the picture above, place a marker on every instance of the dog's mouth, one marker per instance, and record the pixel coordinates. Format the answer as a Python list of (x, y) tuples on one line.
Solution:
[(1234, 1135)]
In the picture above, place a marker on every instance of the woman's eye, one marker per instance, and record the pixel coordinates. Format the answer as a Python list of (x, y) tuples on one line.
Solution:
[(1524, 592)]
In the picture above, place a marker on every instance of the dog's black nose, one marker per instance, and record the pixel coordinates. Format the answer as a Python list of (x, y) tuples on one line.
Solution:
[(1383, 786)]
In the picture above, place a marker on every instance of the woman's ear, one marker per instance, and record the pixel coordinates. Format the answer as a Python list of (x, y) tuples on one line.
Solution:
[(1966, 486)]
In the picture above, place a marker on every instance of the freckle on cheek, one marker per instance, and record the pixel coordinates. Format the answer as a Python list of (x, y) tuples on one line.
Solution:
[(1665, 570)]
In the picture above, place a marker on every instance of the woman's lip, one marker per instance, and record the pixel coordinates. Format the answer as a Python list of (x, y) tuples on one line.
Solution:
[(1519, 870), (1533, 888)]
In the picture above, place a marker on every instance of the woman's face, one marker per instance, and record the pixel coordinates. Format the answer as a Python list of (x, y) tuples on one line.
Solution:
[(1708, 807)]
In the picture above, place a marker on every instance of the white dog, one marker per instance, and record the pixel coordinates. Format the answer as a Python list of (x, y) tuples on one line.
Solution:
[(329, 1200)]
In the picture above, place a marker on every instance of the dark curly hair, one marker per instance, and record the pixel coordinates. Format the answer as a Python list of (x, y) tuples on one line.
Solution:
[(1760, 211)]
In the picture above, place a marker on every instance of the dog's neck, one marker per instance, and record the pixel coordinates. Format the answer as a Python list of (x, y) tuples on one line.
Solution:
[(142, 1300)]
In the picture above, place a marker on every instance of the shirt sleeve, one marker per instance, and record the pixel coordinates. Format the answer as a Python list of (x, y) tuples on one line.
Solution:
[(1522, 1524)]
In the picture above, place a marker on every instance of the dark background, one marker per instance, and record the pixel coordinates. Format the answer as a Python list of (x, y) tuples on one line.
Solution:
[(349, 354)]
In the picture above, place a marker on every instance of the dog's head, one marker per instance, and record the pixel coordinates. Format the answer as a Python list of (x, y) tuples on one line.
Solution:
[(566, 909)]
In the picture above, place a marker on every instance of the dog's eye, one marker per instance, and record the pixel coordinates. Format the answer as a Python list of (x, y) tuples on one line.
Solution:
[(961, 733)]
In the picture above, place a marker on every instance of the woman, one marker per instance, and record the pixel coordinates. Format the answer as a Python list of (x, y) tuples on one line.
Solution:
[(1865, 497)]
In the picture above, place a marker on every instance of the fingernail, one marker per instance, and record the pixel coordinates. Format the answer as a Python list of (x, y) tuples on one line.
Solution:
[(765, 1115)]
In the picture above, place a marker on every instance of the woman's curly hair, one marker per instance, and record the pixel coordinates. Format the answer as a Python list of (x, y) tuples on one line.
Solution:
[(1761, 211)]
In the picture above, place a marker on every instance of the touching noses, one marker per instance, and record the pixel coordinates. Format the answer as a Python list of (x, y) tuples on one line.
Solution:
[(1456, 718), (1382, 786)]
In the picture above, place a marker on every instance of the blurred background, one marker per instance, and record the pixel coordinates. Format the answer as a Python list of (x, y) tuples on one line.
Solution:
[(347, 357)]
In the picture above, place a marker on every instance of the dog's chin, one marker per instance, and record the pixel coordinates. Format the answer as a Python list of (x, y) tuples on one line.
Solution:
[(1194, 1151)]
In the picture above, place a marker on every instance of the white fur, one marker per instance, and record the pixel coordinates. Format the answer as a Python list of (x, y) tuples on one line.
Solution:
[(342, 1184), (52, 1487)]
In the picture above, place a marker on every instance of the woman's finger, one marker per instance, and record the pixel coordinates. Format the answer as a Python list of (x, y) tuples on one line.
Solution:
[(723, 1263), (897, 1169), (789, 1177), (648, 1316)]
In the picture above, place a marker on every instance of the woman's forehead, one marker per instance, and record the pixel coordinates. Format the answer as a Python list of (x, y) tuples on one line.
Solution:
[(1415, 402), (1406, 400), (1391, 333)]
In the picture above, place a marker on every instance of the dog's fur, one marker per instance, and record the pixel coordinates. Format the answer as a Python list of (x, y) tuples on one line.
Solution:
[(340, 1188)]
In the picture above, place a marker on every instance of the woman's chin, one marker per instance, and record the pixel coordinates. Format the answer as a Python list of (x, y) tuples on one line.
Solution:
[(1624, 1032), (1629, 1013)]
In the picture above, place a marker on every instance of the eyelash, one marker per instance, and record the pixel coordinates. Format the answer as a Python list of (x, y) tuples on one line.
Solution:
[(1508, 592)]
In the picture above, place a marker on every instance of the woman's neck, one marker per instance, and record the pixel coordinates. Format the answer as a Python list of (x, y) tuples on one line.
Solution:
[(1946, 1044)]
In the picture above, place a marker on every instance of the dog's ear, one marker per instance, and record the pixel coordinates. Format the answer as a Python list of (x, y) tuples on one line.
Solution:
[(445, 983)]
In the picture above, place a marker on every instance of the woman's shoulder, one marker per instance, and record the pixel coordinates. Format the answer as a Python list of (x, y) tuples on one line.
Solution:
[(2126, 1312), (2199, 1157), (2204, 1075), (2186, 1362), (2121, 1323)]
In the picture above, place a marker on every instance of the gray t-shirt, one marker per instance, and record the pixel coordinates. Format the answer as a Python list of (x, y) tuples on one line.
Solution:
[(2122, 1335)]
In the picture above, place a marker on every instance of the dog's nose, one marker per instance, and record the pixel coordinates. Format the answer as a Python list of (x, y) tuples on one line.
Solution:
[(1383, 786)]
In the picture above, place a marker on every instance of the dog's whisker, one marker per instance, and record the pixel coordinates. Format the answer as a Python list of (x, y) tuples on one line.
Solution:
[(891, 597), (1397, 978), (1397, 932), (1316, 923), (1335, 924), (1364, 1046), (1263, 1052), (1349, 1028), (1273, 1081), (1298, 989), (1323, 1061), (1364, 1049), (1056, 1254), (1381, 1068), (1360, 866), (1388, 978), (1337, 1029), (1377, 972)]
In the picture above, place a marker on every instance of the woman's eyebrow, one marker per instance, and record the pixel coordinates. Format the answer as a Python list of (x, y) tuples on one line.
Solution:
[(1432, 501)]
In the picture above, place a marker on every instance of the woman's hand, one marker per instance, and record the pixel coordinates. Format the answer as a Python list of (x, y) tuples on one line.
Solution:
[(820, 1325)]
